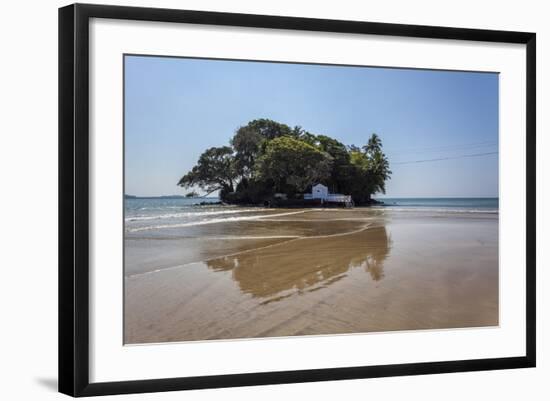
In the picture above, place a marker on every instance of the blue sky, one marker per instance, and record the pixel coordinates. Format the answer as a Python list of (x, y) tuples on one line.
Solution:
[(175, 108)]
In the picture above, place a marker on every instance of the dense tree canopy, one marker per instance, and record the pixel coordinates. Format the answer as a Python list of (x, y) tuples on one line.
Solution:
[(214, 171), (293, 165), (247, 144), (267, 157)]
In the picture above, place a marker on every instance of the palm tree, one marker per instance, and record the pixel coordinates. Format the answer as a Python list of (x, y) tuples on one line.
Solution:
[(379, 166), (380, 170), (373, 145)]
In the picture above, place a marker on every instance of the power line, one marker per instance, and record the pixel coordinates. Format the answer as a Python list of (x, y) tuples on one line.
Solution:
[(446, 146), (447, 150), (447, 158), (465, 146)]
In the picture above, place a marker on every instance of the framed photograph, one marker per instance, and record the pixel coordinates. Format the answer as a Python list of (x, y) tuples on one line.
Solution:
[(251, 199)]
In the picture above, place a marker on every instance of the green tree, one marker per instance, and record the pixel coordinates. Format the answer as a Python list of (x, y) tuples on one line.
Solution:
[(270, 129), (371, 170), (340, 174), (374, 144), (380, 171), (293, 165), (214, 171), (361, 186), (379, 166), (309, 138), (247, 143)]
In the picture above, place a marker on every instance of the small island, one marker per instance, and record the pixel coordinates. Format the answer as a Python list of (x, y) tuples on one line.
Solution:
[(269, 163)]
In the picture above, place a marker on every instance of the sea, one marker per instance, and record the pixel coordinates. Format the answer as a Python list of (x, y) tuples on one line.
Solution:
[(142, 215), (464, 205), (157, 214)]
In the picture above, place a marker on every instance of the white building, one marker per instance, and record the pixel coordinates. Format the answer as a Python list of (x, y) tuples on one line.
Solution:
[(319, 191)]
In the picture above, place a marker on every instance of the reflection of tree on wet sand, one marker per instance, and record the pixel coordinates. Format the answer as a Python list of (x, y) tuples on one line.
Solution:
[(307, 264)]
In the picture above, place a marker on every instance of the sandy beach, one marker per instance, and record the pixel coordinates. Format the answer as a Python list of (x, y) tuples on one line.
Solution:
[(286, 272)]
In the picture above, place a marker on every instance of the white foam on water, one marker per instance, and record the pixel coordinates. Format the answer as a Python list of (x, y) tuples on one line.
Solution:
[(211, 221), (188, 214)]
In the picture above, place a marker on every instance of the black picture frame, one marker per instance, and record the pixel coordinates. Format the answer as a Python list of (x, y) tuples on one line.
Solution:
[(74, 192)]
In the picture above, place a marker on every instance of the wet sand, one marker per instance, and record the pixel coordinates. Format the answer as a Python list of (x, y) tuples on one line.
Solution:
[(310, 272)]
